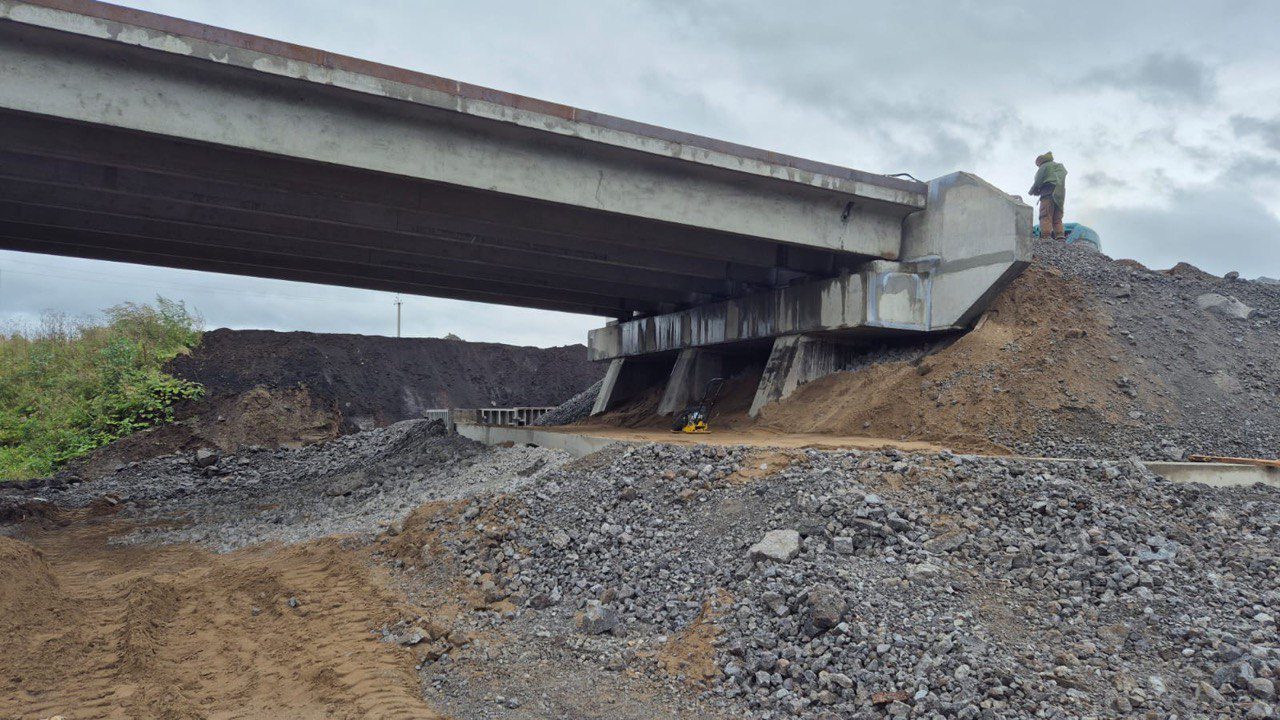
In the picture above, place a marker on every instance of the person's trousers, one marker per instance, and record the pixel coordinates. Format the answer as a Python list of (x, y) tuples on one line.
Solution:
[(1051, 219)]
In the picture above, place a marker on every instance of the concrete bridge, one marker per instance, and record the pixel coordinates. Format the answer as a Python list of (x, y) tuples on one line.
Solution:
[(135, 137)]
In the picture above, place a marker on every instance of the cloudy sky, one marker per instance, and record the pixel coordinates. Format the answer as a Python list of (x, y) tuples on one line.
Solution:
[(1167, 115)]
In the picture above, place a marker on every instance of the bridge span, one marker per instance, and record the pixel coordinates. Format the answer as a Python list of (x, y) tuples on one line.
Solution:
[(136, 137)]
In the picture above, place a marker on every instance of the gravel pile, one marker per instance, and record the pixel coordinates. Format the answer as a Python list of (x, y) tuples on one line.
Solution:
[(360, 483), (772, 584), (1212, 342), (882, 584), (573, 410)]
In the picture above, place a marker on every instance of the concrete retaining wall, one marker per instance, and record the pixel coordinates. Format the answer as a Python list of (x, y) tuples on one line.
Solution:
[(575, 444)]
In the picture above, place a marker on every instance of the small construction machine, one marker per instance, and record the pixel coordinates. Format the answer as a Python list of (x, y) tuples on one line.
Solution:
[(693, 419)]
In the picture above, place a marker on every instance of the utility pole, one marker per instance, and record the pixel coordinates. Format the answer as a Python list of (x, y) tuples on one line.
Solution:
[(398, 304)]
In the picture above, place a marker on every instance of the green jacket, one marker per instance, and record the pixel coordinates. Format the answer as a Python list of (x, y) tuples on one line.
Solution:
[(1054, 173)]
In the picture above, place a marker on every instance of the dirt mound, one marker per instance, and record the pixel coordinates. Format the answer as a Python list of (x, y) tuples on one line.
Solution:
[(1044, 346), (1081, 356), (263, 417), (375, 381), (25, 580)]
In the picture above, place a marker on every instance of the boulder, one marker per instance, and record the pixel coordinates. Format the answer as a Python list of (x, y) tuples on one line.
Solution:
[(777, 545), (826, 606), (1224, 305), (206, 457), (596, 619)]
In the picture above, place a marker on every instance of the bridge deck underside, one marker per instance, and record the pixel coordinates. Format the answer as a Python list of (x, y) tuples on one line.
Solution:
[(91, 191)]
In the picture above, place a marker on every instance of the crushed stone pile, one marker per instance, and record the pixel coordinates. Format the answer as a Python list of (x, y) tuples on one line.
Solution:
[(573, 410), (1081, 356), (881, 584), (356, 484), (767, 583)]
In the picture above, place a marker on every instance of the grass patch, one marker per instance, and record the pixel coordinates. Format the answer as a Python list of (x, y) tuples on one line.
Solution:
[(70, 387)]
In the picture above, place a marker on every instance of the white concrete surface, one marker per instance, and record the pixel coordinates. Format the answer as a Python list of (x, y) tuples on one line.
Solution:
[(1216, 474)]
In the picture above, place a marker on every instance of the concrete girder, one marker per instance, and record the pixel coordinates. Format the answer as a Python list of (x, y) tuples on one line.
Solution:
[(201, 226), (366, 199), (100, 246), (443, 236), (278, 273), (832, 305), (88, 70)]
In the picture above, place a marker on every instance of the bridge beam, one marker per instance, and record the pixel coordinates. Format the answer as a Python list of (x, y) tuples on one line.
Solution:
[(130, 71)]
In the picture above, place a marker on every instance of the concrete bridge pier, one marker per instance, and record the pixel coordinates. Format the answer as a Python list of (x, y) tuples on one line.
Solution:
[(626, 378), (794, 361), (694, 368)]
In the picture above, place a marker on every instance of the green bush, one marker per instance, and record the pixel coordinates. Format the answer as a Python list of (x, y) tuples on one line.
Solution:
[(69, 387)]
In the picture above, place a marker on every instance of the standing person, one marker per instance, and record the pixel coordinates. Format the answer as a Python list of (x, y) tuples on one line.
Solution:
[(1051, 186)]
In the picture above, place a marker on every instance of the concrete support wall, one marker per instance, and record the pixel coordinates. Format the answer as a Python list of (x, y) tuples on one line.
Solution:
[(794, 361), (627, 378), (575, 444), (693, 370)]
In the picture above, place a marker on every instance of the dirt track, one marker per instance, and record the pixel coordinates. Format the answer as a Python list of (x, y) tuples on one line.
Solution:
[(111, 609), (746, 435), (98, 631)]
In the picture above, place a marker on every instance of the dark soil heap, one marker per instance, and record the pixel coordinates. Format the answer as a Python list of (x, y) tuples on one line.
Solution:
[(271, 389), (375, 381)]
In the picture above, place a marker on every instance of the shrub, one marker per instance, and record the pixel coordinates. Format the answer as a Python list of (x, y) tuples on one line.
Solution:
[(69, 387)]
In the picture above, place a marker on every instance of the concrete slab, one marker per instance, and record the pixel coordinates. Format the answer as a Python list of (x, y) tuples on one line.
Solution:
[(1216, 474)]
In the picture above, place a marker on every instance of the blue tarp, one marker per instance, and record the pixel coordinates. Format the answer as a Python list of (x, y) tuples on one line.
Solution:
[(1076, 233)]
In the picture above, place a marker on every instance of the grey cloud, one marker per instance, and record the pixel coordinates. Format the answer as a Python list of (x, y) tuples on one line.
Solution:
[(1215, 226), (1253, 168), (1160, 78), (1102, 180), (1268, 131)]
